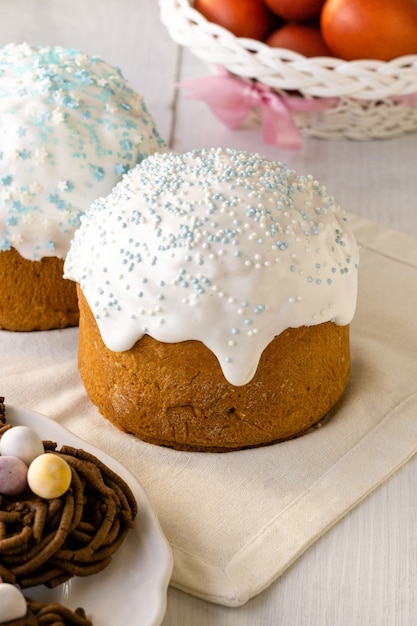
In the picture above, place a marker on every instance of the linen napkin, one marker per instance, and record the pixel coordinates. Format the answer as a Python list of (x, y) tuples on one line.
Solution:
[(236, 521)]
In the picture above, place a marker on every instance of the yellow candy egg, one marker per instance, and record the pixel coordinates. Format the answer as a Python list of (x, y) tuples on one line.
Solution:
[(49, 476)]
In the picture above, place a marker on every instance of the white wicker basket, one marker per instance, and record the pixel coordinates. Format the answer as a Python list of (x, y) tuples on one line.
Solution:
[(375, 99)]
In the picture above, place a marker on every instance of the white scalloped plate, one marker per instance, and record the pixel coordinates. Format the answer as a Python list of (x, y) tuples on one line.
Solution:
[(133, 588)]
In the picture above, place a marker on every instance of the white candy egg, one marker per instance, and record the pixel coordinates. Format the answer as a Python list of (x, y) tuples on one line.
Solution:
[(12, 603), (49, 476), (23, 442)]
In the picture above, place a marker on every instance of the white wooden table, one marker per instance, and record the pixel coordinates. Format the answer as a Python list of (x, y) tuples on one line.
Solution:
[(364, 570)]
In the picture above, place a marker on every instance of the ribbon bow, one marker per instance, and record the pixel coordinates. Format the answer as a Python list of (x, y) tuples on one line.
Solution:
[(232, 99)]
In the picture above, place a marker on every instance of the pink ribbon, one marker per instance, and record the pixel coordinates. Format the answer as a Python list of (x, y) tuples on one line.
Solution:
[(407, 100), (232, 99)]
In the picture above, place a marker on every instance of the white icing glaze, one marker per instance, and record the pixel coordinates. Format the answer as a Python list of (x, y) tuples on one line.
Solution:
[(215, 245), (70, 128)]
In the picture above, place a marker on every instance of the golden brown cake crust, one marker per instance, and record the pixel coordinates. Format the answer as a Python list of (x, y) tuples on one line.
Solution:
[(174, 394), (34, 294)]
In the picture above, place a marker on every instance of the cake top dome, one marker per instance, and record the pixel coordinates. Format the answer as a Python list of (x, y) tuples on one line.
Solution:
[(70, 126), (220, 246)]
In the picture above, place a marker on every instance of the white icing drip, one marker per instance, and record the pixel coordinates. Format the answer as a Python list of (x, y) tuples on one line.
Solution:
[(70, 128), (215, 245)]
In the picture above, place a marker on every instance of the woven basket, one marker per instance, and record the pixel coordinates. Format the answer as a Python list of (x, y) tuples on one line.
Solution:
[(375, 99)]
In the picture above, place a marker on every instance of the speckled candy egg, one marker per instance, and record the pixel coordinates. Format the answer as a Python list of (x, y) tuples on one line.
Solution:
[(49, 476), (12, 603), (22, 442), (13, 475)]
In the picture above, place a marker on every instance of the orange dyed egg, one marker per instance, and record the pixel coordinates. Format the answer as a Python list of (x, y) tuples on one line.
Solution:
[(296, 10), (306, 40), (370, 29), (244, 18)]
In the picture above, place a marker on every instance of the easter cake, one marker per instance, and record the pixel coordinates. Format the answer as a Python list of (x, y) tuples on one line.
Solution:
[(222, 321), (70, 126)]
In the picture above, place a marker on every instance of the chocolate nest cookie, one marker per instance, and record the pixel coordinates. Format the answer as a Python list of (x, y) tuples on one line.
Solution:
[(49, 541)]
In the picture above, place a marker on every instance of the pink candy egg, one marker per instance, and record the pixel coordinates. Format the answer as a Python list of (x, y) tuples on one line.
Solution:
[(13, 475)]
